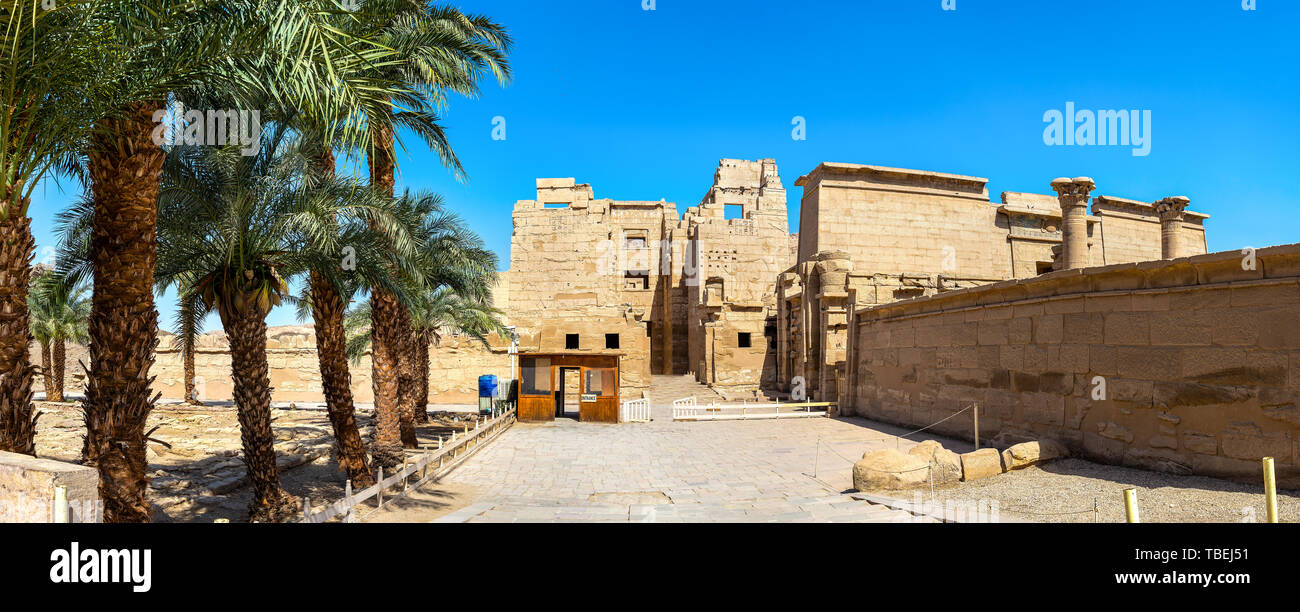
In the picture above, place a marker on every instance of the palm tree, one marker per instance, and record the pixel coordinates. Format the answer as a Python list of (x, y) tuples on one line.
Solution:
[(240, 227), (144, 52), (449, 257), (59, 308), (439, 49), (443, 310), (189, 324), (335, 277), (44, 111), (447, 310)]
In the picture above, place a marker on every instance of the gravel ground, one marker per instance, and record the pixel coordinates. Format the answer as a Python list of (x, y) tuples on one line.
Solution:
[(1042, 494)]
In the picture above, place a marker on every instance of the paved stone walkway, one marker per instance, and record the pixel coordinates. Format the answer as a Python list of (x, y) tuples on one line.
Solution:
[(662, 471)]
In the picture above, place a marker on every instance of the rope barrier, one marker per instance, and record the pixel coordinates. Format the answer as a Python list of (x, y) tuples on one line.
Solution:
[(897, 438), (934, 423)]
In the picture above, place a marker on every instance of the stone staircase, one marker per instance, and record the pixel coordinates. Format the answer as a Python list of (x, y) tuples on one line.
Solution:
[(665, 389)]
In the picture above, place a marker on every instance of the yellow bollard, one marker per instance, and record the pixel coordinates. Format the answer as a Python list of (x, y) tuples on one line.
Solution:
[(1131, 505), (1270, 491)]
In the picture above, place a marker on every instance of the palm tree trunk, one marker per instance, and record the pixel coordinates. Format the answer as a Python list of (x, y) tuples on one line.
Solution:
[(17, 415), (47, 369), (422, 385), (407, 378), (189, 343), (385, 325), (187, 356), (125, 166), (386, 448), (328, 310), (59, 359), (331, 349), (252, 391)]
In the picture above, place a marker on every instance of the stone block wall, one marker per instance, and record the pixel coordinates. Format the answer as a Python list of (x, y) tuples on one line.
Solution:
[(892, 220), (1186, 366)]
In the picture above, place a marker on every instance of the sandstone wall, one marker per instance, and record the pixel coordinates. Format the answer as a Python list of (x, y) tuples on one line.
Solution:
[(891, 220), (1130, 230), (735, 262), (1200, 362), (454, 368), (906, 225), (586, 266)]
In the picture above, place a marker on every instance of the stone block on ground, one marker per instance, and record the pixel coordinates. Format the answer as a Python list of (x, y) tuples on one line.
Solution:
[(1026, 454), (27, 489), (983, 463), (947, 465), (890, 470)]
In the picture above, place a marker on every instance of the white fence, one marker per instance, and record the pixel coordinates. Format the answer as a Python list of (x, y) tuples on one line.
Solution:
[(432, 463), (635, 411), (689, 409), (685, 407)]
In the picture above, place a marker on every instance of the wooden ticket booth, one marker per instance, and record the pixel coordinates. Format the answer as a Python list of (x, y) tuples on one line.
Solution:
[(582, 386)]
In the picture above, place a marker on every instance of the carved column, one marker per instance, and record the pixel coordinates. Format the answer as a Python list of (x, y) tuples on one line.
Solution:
[(1073, 196), (1171, 226)]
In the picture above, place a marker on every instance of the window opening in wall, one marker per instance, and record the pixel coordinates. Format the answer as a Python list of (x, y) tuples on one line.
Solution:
[(744, 340), (636, 280), (634, 242), (571, 342), (611, 341)]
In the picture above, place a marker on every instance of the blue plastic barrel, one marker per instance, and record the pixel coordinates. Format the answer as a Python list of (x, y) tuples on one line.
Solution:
[(487, 386)]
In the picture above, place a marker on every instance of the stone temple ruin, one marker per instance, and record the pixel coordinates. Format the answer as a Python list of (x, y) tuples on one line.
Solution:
[(907, 297), (720, 296), (667, 293)]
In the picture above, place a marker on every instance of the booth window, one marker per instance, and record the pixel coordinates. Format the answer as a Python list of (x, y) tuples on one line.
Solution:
[(536, 375), (600, 381)]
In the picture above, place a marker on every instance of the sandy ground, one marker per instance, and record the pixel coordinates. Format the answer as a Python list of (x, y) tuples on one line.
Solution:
[(431, 501), (196, 474)]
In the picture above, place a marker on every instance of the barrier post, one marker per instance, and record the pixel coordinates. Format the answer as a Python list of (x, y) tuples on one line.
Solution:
[(1270, 490), (977, 425), (1131, 505), (347, 495)]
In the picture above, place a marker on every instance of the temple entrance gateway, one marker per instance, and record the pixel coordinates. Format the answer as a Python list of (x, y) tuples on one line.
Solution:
[(583, 386)]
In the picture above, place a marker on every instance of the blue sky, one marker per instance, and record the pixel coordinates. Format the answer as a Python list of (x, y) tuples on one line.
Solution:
[(643, 103)]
